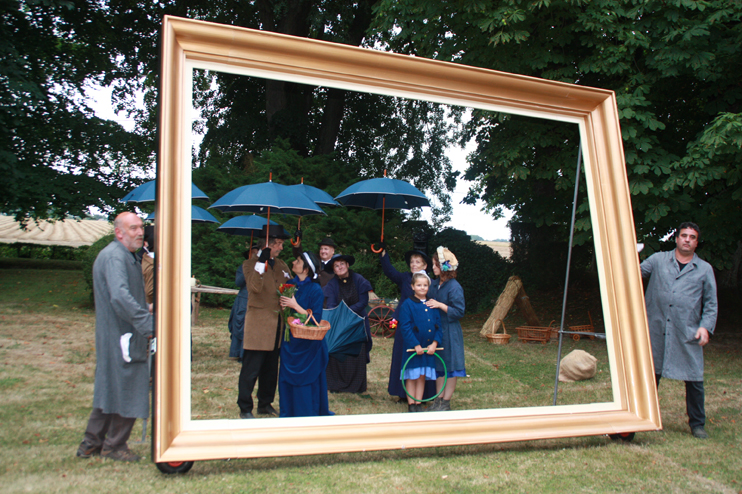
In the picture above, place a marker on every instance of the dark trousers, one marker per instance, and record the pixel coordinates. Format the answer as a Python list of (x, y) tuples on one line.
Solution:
[(694, 402), (258, 365), (108, 430)]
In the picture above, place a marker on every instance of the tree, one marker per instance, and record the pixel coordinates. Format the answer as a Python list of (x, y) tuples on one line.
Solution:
[(675, 66), (56, 158)]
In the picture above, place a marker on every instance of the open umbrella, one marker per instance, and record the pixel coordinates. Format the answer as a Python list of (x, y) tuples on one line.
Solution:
[(244, 225), (382, 193), (347, 332), (146, 193), (198, 215), (319, 196), (267, 196)]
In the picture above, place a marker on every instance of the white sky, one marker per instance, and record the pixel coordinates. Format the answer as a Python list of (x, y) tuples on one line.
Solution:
[(465, 217)]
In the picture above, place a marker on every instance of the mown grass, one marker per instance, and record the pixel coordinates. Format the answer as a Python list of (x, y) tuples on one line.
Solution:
[(47, 363)]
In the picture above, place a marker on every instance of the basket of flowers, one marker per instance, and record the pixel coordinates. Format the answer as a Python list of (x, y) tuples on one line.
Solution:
[(306, 327)]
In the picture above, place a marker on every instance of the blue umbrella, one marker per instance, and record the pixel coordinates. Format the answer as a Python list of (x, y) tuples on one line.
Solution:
[(146, 193), (319, 196), (347, 332), (265, 197), (198, 215), (245, 225), (382, 193)]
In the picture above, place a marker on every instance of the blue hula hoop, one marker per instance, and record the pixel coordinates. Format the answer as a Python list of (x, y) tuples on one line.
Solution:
[(445, 379)]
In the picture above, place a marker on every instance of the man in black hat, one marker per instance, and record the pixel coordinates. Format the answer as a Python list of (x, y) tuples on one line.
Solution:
[(264, 274), (326, 250)]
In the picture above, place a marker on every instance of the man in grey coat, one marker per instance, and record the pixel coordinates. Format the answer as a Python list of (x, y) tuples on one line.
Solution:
[(123, 326), (682, 311)]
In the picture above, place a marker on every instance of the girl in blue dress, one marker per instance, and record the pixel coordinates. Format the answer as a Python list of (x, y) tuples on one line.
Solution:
[(420, 327), (302, 382), (447, 295)]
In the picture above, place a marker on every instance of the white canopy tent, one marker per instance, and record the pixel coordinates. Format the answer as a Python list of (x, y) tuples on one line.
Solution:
[(68, 232)]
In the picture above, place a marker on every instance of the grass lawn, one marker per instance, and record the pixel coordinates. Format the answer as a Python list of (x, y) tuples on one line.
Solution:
[(47, 364)]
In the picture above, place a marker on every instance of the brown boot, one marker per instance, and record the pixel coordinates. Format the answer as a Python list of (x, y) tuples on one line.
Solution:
[(435, 406)]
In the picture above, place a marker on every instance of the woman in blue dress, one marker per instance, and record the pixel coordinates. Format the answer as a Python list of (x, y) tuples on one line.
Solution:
[(447, 295), (302, 382), (418, 262), (420, 331)]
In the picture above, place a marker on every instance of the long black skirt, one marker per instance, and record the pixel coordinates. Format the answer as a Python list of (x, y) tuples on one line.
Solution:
[(348, 376)]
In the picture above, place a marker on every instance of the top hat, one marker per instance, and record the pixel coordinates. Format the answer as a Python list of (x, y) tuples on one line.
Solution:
[(328, 241), (274, 231)]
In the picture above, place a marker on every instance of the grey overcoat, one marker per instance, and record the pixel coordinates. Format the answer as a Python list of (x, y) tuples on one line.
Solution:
[(678, 303), (120, 308)]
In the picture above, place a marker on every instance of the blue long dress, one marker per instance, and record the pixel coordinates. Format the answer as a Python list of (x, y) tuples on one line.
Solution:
[(236, 322), (419, 325), (302, 383), (404, 282), (452, 294)]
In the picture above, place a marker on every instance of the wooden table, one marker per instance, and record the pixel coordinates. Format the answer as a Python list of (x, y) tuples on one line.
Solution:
[(196, 292)]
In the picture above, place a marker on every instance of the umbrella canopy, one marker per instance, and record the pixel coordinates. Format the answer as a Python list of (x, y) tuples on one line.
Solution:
[(245, 225), (198, 215), (146, 193), (347, 331), (383, 193), (267, 197), (319, 196)]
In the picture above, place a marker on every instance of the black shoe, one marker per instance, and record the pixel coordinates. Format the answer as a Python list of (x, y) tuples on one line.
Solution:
[(246, 415), (86, 450), (267, 410), (699, 432)]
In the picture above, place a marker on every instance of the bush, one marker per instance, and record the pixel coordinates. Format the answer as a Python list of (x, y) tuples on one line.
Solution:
[(89, 259), (482, 272)]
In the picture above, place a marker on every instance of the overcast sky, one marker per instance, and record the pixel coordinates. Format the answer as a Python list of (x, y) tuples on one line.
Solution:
[(468, 218)]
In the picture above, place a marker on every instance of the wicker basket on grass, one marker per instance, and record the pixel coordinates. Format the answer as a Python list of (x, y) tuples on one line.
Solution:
[(304, 332), (499, 339)]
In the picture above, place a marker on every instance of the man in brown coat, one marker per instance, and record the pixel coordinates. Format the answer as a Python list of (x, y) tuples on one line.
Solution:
[(264, 273)]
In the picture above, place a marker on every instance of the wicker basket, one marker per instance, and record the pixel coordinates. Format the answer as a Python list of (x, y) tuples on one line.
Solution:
[(303, 332), (499, 339), (534, 333), (585, 328)]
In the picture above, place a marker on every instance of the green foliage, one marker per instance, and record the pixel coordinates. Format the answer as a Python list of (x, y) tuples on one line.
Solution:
[(675, 67), (35, 251), (89, 260), (482, 272), (55, 156)]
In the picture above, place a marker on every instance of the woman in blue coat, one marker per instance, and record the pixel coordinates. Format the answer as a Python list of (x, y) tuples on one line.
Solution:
[(447, 295), (420, 331), (418, 262), (302, 382)]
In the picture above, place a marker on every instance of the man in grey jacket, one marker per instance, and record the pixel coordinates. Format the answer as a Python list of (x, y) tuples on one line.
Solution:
[(681, 311), (123, 326)]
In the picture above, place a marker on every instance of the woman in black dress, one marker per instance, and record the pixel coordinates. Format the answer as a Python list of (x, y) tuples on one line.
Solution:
[(346, 372)]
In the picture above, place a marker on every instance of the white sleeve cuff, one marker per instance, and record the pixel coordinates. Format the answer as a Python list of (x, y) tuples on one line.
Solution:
[(260, 267)]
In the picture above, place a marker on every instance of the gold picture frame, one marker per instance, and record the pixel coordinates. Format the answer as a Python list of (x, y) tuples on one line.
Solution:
[(188, 45)]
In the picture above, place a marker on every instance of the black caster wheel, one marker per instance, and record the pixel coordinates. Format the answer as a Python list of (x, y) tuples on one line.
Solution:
[(626, 437), (174, 467)]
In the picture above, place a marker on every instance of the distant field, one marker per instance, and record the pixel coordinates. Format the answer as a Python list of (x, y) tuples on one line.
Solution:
[(503, 248)]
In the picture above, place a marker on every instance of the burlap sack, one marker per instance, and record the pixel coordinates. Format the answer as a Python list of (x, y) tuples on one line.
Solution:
[(577, 366)]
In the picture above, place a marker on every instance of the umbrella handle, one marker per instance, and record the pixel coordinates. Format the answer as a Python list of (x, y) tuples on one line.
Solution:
[(295, 244), (376, 251)]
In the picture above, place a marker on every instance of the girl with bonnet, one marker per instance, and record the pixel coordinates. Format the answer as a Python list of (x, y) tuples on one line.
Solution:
[(446, 294)]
